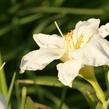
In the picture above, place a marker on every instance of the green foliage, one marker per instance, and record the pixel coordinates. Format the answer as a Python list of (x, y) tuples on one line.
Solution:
[(19, 19), (31, 105)]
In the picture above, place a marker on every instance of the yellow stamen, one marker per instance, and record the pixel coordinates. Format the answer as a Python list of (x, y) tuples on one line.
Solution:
[(71, 43), (79, 42)]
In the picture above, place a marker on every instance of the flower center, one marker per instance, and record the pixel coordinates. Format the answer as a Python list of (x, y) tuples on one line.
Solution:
[(72, 42)]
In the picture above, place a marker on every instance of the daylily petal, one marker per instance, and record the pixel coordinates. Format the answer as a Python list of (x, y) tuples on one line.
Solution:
[(38, 59), (68, 71), (95, 52), (2, 103), (104, 30), (49, 41), (86, 29)]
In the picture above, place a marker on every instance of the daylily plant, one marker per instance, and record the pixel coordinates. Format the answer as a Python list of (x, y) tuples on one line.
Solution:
[(85, 45)]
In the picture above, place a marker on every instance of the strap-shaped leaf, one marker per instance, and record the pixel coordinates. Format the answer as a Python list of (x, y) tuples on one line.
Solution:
[(83, 87), (34, 105)]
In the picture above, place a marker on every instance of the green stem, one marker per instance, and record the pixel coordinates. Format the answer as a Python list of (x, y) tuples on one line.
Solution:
[(63, 97), (88, 74), (98, 90), (99, 93)]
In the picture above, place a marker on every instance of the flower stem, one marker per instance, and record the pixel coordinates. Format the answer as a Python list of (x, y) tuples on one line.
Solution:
[(63, 97), (98, 90), (88, 74)]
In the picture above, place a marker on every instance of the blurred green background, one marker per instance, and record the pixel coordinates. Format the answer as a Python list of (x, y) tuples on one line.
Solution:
[(19, 19)]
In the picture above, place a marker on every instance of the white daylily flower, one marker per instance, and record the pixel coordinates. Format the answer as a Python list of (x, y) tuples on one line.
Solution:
[(104, 30), (86, 28), (48, 41), (2, 102), (85, 45), (38, 59)]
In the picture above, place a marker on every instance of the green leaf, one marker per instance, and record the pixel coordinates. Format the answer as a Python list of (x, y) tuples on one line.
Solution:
[(25, 20), (31, 105), (67, 10), (83, 87), (87, 91), (5, 29), (3, 84), (43, 80), (106, 70), (63, 96), (11, 88), (23, 99)]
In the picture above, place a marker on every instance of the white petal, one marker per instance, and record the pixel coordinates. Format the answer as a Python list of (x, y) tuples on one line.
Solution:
[(68, 71), (86, 28), (2, 103), (104, 30), (38, 59), (49, 41), (95, 53)]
